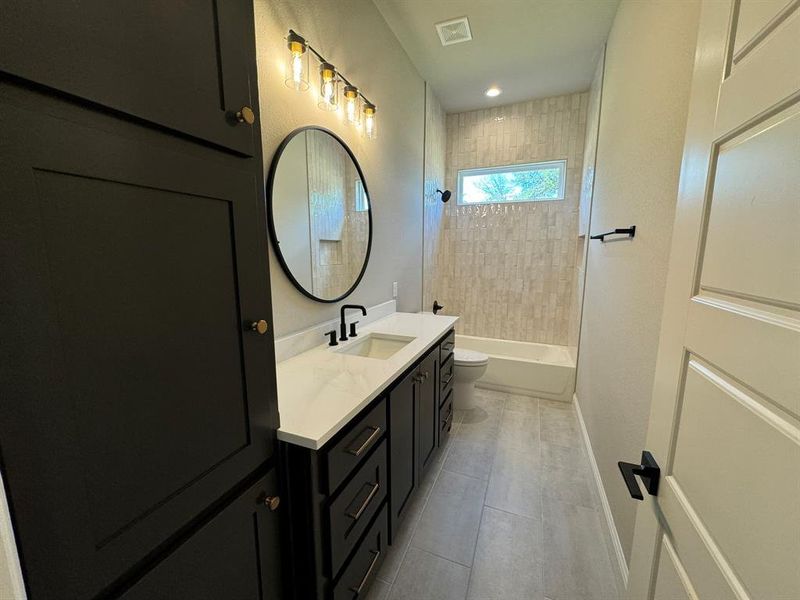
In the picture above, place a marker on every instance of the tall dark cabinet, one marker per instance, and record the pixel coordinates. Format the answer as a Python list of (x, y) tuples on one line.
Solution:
[(137, 381)]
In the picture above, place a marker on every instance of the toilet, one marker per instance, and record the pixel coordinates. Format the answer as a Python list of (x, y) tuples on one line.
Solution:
[(469, 366)]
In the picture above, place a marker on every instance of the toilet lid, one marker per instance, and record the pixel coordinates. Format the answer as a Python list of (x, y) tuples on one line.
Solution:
[(466, 357)]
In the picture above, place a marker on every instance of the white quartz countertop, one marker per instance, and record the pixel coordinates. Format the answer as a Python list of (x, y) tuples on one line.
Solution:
[(321, 390)]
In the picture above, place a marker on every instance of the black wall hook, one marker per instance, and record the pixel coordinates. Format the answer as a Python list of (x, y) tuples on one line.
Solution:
[(629, 231)]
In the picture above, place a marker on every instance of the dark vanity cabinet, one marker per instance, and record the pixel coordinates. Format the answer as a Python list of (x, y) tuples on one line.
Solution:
[(413, 409), (138, 403), (346, 497)]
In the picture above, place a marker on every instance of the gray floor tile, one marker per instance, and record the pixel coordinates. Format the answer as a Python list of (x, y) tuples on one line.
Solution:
[(519, 432), (479, 425), (566, 476), (471, 458), (451, 518), (396, 552), (559, 425), (525, 404), (514, 484), (489, 399), (556, 404), (576, 564), (429, 577), (379, 590), (507, 559)]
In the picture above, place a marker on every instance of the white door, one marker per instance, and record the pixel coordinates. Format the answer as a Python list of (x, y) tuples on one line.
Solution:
[(725, 421)]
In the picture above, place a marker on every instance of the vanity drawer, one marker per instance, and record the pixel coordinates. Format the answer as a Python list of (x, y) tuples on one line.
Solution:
[(446, 414), (348, 452), (355, 505), (447, 346), (360, 573), (446, 376)]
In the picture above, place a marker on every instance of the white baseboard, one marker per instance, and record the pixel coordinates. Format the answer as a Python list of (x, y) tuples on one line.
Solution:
[(601, 492)]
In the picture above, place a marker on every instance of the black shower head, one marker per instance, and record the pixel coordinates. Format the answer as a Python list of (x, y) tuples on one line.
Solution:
[(445, 195)]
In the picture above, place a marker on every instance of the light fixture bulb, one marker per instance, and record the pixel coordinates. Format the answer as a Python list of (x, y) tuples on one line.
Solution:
[(352, 102), (493, 91), (370, 125), (297, 67), (297, 62), (328, 87)]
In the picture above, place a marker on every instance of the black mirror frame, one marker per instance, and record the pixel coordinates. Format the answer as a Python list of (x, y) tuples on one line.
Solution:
[(271, 221)]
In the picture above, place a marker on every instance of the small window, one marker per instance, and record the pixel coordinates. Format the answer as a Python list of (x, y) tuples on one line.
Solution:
[(362, 202), (533, 182)]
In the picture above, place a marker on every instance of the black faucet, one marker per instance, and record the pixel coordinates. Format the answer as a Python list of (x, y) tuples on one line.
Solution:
[(343, 324)]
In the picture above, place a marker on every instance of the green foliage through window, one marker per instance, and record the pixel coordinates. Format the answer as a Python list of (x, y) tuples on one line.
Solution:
[(514, 183)]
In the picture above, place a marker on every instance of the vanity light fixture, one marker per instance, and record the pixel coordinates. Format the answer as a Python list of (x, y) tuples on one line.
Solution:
[(370, 125), (328, 87), (297, 62), (359, 111), (352, 105)]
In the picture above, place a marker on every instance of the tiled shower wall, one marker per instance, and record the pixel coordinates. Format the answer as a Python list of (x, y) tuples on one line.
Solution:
[(338, 232), (508, 270)]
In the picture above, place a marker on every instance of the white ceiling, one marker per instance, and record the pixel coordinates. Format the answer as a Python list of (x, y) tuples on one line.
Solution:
[(528, 48)]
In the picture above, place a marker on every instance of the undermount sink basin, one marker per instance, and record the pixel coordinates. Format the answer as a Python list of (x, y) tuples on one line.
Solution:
[(377, 345)]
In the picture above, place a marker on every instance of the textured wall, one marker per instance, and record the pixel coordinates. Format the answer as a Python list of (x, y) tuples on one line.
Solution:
[(508, 269), (353, 36), (649, 61), (435, 151), (587, 190)]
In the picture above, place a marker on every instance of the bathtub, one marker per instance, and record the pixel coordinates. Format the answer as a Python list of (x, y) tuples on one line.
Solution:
[(540, 370)]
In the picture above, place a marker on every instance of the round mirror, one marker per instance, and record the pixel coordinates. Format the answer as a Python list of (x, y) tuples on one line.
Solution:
[(320, 217)]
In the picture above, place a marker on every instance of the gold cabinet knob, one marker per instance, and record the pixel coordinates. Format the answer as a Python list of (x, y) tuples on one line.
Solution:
[(260, 327), (246, 115), (272, 502)]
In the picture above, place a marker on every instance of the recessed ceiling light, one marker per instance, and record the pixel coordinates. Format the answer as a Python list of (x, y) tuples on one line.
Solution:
[(493, 91)]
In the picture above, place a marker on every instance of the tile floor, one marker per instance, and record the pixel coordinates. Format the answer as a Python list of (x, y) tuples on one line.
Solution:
[(509, 512)]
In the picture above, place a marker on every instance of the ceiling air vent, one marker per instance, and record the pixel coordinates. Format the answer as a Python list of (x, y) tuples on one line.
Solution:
[(454, 31)]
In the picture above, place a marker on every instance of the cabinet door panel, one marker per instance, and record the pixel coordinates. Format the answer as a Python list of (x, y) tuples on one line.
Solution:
[(428, 409), (133, 394), (234, 555), (402, 448), (180, 64)]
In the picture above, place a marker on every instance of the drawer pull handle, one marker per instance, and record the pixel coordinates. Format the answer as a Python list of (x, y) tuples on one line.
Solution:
[(448, 347), (357, 591), (357, 515), (369, 441), (449, 379)]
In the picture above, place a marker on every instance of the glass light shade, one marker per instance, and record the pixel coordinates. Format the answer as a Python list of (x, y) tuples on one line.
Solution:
[(352, 105), (328, 87), (296, 63), (370, 122)]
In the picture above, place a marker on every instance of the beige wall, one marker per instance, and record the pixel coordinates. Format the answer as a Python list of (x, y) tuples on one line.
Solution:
[(435, 150), (645, 98), (354, 37), (587, 189), (509, 269)]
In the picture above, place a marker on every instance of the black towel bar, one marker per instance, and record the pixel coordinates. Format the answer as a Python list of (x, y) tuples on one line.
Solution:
[(629, 231)]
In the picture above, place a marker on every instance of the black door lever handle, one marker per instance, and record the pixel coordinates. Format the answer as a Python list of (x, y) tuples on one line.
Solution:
[(649, 471)]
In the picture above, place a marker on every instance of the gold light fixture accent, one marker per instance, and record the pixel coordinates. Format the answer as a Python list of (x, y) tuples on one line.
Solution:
[(297, 62), (370, 124), (358, 110), (328, 87)]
